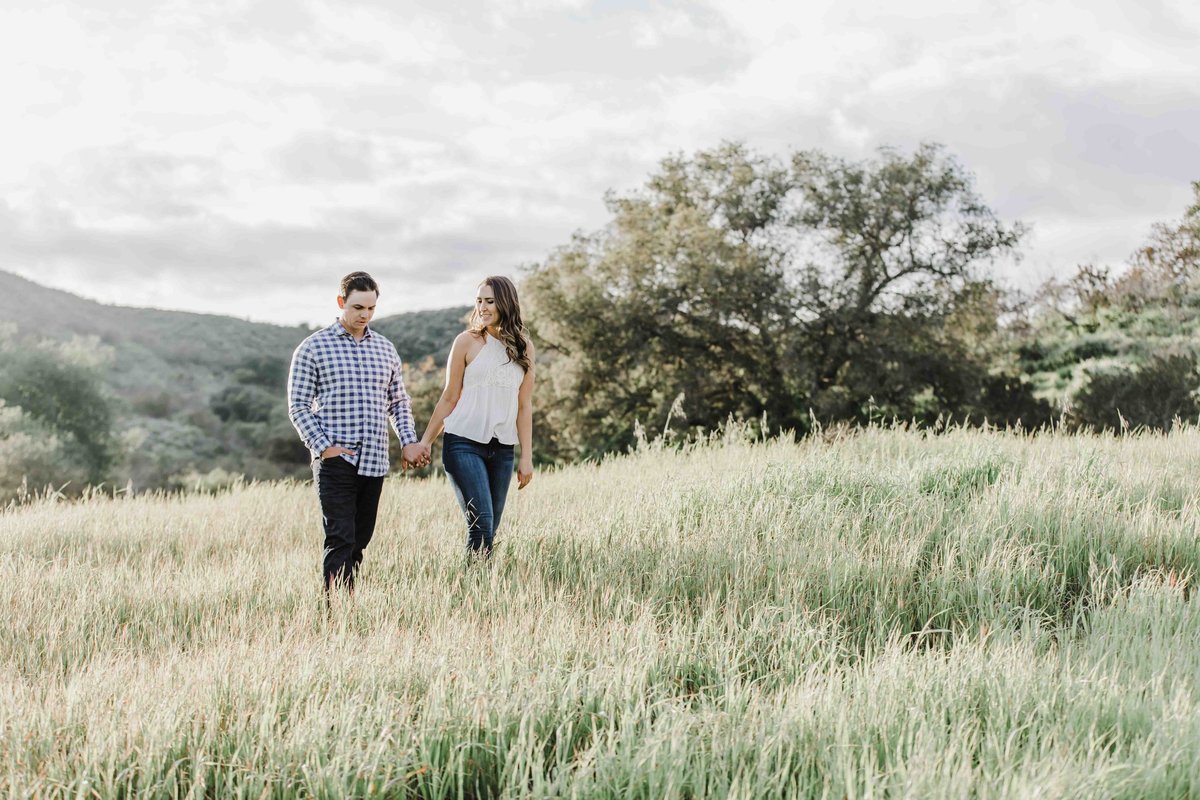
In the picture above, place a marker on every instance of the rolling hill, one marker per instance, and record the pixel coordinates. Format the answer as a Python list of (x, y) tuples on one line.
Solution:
[(200, 394)]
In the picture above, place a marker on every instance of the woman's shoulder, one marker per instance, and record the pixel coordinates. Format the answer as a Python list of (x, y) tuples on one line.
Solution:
[(468, 337)]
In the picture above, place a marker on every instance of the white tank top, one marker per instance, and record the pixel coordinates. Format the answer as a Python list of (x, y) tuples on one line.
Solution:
[(487, 407)]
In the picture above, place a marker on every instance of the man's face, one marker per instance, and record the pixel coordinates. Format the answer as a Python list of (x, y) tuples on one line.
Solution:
[(357, 310)]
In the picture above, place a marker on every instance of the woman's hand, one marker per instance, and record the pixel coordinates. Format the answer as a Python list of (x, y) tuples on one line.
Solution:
[(414, 455), (524, 473)]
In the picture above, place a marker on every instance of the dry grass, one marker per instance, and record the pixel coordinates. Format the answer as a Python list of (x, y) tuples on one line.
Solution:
[(976, 614)]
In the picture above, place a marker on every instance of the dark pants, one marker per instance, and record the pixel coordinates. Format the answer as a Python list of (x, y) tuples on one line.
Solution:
[(349, 502), (480, 474)]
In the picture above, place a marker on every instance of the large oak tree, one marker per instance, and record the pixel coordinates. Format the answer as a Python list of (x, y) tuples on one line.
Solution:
[(755, 287)]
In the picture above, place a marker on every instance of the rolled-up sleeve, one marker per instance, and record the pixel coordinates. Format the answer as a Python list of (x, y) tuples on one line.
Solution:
[(302, 390)]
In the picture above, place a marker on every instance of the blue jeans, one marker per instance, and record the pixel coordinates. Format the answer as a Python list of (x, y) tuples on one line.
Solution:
[(480, 474)]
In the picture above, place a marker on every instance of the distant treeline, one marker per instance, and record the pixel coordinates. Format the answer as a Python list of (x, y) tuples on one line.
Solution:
[(795, 293)]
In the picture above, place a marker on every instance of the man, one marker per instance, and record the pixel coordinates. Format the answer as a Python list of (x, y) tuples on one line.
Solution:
[(344, 384)]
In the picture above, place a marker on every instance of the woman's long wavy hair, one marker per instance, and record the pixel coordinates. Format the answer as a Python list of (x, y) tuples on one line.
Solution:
[(510, 326)]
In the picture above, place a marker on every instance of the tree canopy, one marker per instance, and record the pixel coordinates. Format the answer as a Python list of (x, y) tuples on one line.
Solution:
[(58, 390), (816, 287)]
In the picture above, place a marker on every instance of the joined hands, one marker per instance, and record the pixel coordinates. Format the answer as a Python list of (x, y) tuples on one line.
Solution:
[(414, 455)]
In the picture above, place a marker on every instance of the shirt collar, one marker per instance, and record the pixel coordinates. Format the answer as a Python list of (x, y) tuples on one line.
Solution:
[(340, 330)]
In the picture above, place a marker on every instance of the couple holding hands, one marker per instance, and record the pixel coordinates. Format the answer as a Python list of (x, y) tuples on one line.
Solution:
[(346, 384)]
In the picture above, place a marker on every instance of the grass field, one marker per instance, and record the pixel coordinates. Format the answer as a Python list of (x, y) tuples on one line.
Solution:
[(882, 615)]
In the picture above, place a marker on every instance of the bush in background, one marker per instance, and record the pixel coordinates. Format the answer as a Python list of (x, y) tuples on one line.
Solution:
[(1151, 396), (34, 458)]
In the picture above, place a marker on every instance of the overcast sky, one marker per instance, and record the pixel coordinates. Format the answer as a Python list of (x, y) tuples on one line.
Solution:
[(239, 157)]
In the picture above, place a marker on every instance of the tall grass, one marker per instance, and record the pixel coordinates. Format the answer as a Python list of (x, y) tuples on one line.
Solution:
[(885, 614)]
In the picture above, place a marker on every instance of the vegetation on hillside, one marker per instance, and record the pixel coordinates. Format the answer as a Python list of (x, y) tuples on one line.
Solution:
[(153, 399), (1119, 347)]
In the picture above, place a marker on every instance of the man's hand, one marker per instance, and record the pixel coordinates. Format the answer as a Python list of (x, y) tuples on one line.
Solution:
[(414, 455), (334, 450), (524, 473)]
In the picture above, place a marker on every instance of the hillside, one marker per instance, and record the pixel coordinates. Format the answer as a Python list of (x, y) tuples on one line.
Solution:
[(202, 394), (205, 339)]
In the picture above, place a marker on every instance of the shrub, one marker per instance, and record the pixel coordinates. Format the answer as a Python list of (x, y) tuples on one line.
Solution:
[(1150, 396), (33, 457), (67, 398), (244, 404)]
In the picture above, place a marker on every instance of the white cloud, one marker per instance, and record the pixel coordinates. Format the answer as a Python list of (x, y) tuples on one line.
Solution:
[(199, 144)]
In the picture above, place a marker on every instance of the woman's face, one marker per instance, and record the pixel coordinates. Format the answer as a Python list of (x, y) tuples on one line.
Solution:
[(485, 306)]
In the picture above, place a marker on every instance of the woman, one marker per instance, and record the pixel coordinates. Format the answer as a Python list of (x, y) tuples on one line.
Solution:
[(486, 408)]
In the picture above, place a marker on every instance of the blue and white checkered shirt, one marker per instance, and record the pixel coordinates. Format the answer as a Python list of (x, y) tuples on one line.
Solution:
[(342, 392)]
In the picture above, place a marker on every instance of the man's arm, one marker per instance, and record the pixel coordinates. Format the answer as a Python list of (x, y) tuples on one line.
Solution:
[(399, 410), (302, 390), (399, 405)]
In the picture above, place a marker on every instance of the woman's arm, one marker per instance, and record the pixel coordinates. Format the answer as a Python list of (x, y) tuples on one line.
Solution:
[(525, 424), (456, 363)]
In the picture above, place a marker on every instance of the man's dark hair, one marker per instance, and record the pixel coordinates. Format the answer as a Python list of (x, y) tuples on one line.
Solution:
[(358, 282)]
